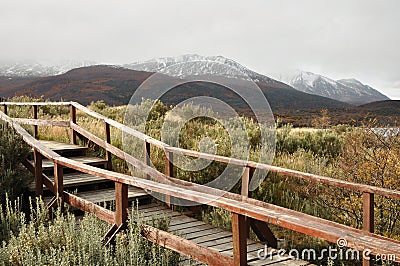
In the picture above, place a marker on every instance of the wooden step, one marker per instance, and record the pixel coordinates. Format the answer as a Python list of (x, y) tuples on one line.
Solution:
[(61, 146), (95, 161), (107, 195), (74, 180)]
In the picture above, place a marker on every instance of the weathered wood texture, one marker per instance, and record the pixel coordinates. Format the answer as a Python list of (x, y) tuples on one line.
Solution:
[(107, 134), (35, 116), (121, 203), (72, 113), (38, 173), (89, 207), (239, 232)]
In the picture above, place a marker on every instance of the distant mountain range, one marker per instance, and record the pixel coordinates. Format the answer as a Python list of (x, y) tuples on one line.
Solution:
[(34, 69), (196, 65), (346, 90), (350, 91), (116, 84)]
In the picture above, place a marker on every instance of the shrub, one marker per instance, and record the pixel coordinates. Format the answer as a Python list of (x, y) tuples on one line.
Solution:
[(63, 241), (13, 176)]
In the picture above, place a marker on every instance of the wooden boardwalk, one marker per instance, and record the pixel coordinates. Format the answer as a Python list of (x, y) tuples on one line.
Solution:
[(66, 174), (205, 235)]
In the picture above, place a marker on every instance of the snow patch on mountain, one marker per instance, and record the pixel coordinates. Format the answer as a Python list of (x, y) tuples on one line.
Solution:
[(35, 69), (196, 65), (346, 90)]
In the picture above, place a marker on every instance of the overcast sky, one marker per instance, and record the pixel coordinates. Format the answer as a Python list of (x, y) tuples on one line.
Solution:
[(339, 39)]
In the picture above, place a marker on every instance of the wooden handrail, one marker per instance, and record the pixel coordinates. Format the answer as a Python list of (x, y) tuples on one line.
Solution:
[(36, 103)]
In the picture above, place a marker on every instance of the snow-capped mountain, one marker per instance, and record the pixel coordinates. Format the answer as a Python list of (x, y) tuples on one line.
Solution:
[(346, 90), (194, 65), (36, 69)]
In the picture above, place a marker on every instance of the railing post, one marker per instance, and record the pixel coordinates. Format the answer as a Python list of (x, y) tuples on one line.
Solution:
[(147, 155), (38, 172), (59, 181), (368, 218), (35, 116), (108, 140), (72, 111), (169, 171), (246, 177), (121, 203), (5, 110), (239, 235)]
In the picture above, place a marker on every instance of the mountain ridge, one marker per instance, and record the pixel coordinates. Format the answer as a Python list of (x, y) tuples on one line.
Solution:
[(350, 90)]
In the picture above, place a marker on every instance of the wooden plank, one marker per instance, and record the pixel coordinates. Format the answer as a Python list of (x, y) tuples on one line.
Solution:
[(108, 140), (183, 225), (5, 109), (61, 146), (89, 207), (208, 239), (185, 247), (368, 220), (199, 228), (38, 172), (228, 246), (38, 103), (146, 155), (72, 113), (58, 181), (198, 231), (35, 116), (108, 194), (75, 180), (183, 219), (215, 242), (239, 232), (368, 212), (169, 171), (48, 164), (121, 203)]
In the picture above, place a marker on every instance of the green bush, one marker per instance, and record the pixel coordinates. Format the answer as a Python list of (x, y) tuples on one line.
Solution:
[(63, 241), (13, 176), (321, 142)]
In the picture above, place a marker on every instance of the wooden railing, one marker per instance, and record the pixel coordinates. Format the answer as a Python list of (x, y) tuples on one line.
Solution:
[(245, 211)]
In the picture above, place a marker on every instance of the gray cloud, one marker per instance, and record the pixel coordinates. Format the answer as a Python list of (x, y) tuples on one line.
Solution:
[(338, 39)]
